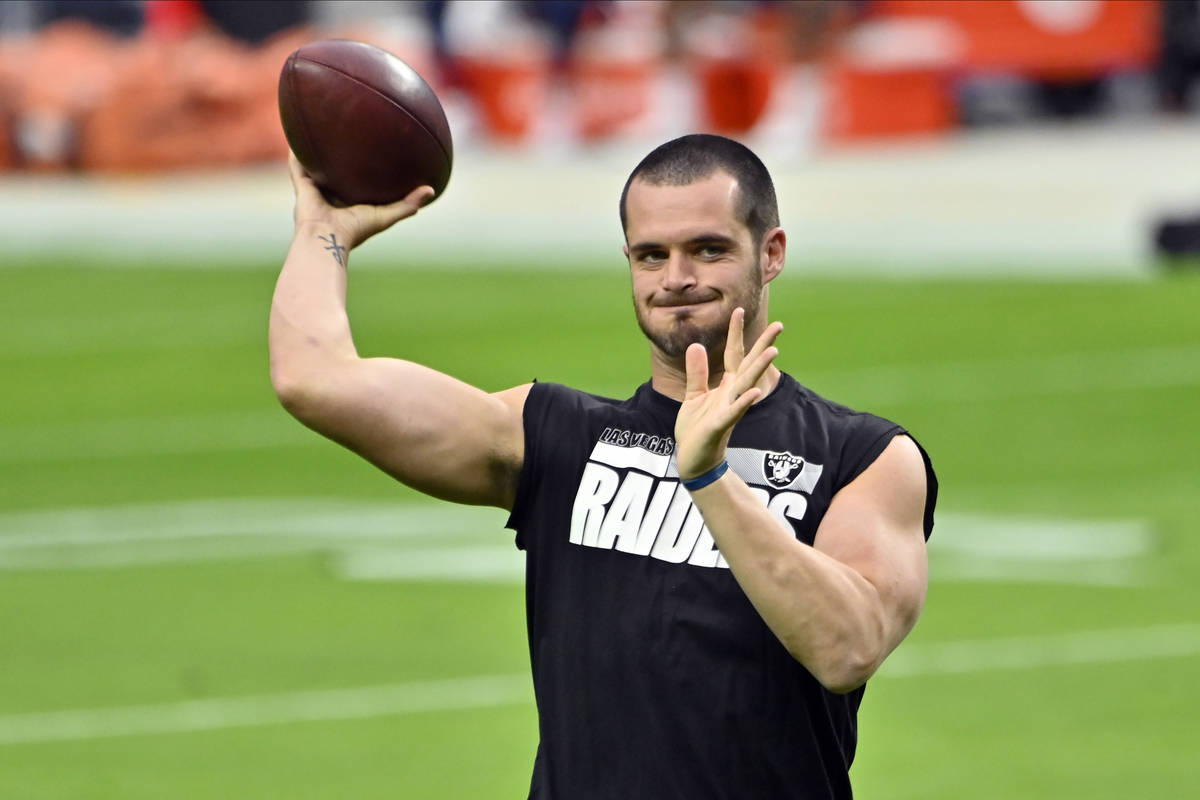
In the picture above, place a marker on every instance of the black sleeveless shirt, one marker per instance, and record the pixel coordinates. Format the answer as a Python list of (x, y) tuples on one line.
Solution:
[(655, 677)]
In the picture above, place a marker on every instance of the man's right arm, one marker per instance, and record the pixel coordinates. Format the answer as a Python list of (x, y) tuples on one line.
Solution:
[(428, 430)]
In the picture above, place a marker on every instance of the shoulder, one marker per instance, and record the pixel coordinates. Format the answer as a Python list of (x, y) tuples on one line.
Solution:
[(858, 440), (844, 432), (556, 414), (546, 400), (836, 414)]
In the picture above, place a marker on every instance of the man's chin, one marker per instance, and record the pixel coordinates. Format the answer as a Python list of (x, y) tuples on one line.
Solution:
[(674, 343)]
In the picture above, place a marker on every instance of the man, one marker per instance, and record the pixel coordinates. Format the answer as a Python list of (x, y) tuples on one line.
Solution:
[(715, 566)]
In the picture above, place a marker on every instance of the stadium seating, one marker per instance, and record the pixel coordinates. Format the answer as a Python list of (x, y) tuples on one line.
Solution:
[(182, 93)]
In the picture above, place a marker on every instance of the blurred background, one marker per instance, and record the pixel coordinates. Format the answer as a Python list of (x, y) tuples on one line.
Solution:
[(994, 225)]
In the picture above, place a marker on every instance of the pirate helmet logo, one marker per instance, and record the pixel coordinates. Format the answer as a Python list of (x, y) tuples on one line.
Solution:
[(780, 469)]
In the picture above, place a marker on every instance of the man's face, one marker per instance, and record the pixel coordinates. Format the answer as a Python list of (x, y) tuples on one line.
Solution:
[(692, 262)]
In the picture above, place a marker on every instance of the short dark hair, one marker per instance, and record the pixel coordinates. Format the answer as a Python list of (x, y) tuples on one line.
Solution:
[(697, 156)]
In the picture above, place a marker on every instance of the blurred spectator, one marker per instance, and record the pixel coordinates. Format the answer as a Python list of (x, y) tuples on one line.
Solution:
[(123, 17), (255, 21), (142, 84), (1177, 239), (1179, 65)]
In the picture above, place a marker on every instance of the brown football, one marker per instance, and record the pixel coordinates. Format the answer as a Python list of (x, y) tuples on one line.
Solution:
[(363, 123)]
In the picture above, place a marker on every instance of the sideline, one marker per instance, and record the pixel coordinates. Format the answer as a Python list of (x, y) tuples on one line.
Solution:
[(1052, 201), (492, 691)]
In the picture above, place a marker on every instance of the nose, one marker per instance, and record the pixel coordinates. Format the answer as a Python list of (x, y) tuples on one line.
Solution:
[(678, 275)]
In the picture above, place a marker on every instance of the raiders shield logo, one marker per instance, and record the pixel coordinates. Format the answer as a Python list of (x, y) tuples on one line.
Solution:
[(780, 469)]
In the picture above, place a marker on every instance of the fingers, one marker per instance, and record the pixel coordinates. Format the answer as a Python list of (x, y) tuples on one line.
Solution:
[(758, 360), (734, 341), (752, 371), (310, 203), (294, 168), (738, 408), (696, 364), (300, 180), (765, 339)]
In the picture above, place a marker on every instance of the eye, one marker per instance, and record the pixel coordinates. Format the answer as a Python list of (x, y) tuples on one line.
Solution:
[(712, 251), (651, 258)]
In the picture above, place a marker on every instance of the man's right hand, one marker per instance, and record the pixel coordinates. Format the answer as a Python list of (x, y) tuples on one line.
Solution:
[(355, 224), (437, 434)]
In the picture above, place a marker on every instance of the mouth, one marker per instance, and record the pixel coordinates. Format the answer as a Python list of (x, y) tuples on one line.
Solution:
[(681, 302)]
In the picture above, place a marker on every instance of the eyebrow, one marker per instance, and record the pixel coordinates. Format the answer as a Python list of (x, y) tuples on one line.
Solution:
[(695, 241)]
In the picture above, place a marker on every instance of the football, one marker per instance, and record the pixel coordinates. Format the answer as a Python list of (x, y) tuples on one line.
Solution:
[(365, 125)]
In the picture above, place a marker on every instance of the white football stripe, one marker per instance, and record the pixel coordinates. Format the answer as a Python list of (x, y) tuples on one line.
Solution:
[(978, 547), (490, 691), (424, 541), (1051, 650), (484, 691)]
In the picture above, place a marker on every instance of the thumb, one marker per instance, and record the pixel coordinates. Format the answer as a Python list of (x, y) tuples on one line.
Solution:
[(411, 204)]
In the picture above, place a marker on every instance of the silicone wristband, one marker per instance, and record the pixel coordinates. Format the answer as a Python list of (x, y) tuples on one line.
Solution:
[(700, 481)]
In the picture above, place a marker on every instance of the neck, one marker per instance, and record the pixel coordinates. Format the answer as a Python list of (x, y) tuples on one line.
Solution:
[(668, 376)]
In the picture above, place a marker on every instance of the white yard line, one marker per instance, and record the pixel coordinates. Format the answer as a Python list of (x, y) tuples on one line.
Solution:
[(500, 562), (1016, 549), (1052, 650), (490, 691), (218, 530), (285, 516), (485, 691), (426, 541)]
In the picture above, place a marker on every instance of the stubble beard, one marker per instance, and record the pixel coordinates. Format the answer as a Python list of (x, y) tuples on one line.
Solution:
[(673, 341)]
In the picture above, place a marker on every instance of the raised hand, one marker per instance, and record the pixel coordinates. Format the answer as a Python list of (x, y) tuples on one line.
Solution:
[(355, 224), (707, 416)]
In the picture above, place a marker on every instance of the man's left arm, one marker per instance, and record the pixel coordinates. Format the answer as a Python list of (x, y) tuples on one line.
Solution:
[(842, 605)]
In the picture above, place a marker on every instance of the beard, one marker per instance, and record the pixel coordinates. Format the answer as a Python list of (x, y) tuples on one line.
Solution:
[(674, 337)]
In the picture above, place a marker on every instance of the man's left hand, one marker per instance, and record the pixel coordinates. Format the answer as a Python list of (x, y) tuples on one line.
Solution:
[(707, 416)]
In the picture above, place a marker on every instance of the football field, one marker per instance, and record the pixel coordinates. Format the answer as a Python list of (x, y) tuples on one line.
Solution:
[(200, 598)]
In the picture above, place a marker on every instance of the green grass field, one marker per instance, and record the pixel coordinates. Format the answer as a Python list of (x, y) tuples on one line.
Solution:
[(191, 584)]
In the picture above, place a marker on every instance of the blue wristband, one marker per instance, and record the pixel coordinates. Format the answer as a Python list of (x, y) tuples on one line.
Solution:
[(700, 481)]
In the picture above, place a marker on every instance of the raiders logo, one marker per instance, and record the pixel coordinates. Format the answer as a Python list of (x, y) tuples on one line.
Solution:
[(780, 469)]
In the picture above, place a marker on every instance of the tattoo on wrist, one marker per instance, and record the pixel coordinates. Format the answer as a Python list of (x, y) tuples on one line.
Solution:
[(339, 251)]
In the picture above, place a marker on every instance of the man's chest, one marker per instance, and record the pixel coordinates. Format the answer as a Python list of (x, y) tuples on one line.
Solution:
[(619, 490)]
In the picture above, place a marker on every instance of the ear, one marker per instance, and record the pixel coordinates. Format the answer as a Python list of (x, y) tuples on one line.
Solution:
[(773, 251)]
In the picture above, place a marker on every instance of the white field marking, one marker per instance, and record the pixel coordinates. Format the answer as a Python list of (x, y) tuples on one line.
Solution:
[(975, 547), (1050, 650), (1039, 539), (179, 434), (965, 547), (489, 691), (427, 541), (216, 530), (302, 517), (485, 691), (471, 563)]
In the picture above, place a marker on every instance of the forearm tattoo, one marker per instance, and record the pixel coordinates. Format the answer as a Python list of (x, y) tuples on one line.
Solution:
[(339, 251)]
